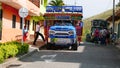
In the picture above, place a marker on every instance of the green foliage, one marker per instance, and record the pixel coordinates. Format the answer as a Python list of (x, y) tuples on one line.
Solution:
[(37, 18), (1, 56), (85, 33), (87, 22), (45, 2), (0, 44), (118, 5), (11, 49), (22, 49), (56, 3)]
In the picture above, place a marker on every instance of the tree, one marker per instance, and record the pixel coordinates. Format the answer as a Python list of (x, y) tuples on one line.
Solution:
[(118, 5), (56, 3), (37, 18)]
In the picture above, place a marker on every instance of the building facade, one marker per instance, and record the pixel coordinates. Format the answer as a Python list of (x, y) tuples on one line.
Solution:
[(11, 22), (116, 22)]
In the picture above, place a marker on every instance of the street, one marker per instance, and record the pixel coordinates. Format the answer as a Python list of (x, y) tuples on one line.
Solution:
[(87, 56), (30, 31)]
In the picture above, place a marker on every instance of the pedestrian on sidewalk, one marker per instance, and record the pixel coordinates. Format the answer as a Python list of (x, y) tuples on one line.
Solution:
[(37, 33), (25, 32)]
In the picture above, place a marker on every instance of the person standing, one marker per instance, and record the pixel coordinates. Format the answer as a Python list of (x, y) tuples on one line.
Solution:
[(103, 38), (78, 31), (96, 35), (114, 37), (25, 32), (107, 37), (37, 33)]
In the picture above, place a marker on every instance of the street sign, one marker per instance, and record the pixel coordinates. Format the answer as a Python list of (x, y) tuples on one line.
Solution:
[(23, 12)]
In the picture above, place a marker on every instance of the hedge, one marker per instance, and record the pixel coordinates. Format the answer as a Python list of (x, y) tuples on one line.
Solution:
[(1, 56), (12, 49)]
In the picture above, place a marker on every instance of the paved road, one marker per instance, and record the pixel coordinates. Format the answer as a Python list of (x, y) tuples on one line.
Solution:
[(87, 56)]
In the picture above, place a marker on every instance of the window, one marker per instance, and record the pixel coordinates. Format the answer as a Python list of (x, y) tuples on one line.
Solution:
[(33, 25), (27, 24), (1, 23), (0, 14), (20, 23), (13, 21)]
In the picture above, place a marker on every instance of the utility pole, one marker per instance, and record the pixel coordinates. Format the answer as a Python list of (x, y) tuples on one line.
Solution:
[(113, 16)]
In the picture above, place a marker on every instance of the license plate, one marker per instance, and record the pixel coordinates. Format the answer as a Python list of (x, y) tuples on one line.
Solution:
[(62, 41)]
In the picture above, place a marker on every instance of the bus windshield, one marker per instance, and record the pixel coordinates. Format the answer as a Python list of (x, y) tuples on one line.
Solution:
[(63, 23)]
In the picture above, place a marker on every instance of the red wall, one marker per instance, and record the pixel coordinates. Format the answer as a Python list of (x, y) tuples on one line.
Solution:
[(9, 33)]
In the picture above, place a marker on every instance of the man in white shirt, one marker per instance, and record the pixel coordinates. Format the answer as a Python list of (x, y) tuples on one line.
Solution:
[(37, 33)]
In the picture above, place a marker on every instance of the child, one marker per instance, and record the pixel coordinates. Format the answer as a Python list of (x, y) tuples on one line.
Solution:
[(25, 32)]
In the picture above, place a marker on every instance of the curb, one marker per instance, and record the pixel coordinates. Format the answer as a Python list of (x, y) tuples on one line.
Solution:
[(16, 58), (29, 53)]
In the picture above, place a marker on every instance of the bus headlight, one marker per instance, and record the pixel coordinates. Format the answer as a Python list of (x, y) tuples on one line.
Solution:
[(51, 32), (71, 32)]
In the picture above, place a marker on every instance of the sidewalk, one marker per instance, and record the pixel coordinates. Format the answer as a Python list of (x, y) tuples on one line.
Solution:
[(32, 49)]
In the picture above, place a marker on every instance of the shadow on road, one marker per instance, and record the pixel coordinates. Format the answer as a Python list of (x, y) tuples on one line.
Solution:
[(87, 54)]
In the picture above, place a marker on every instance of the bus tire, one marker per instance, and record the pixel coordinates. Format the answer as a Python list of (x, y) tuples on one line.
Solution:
[(74, 46), (49, 46)]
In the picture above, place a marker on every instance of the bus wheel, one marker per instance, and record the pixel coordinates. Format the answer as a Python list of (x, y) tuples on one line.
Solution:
[(74, 46), (49, 46)]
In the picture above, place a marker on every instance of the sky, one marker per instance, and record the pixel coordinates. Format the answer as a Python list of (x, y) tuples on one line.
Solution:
[(92, 7)]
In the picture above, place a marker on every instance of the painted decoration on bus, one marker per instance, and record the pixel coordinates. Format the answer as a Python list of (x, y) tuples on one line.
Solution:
[(77, 9), (65, 8), (62, 17), (58, 8), (68, 8), (49, 9)]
